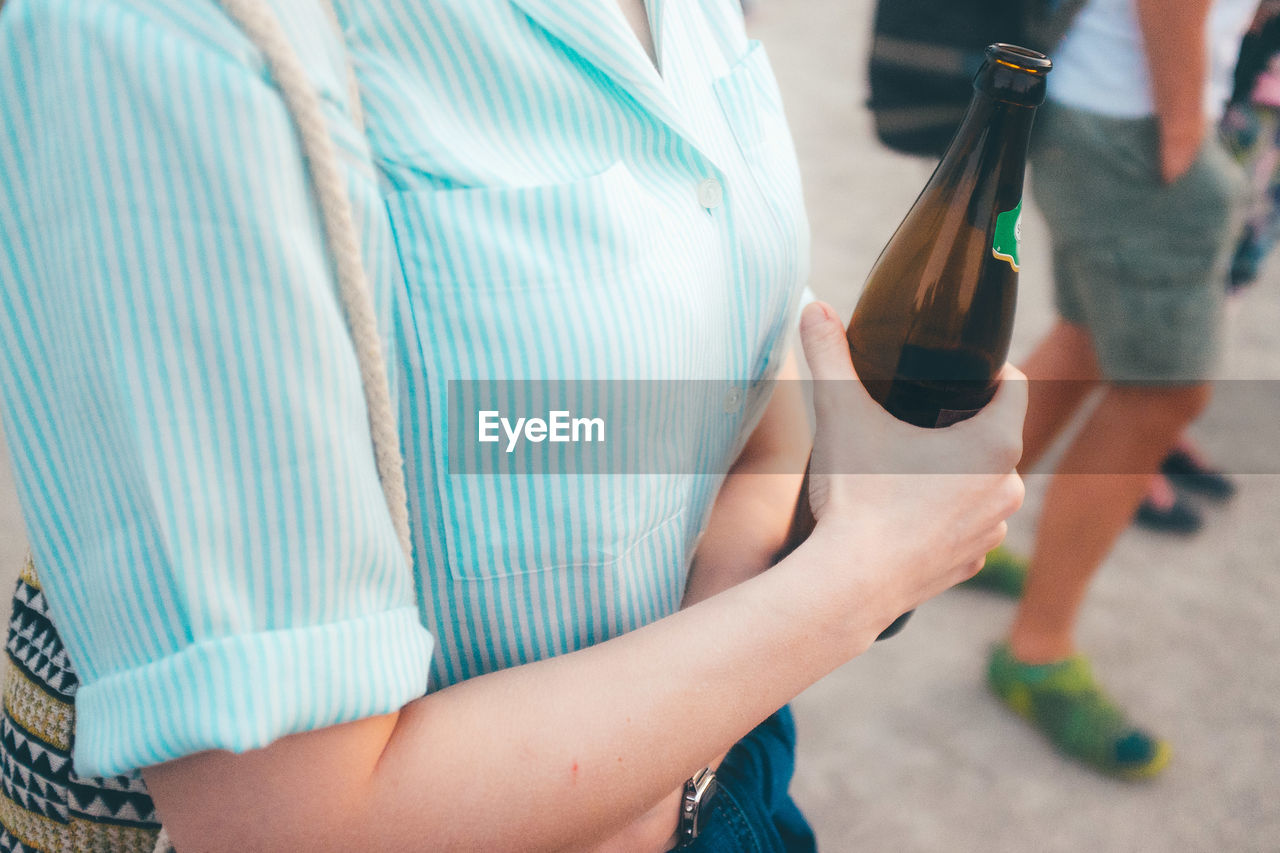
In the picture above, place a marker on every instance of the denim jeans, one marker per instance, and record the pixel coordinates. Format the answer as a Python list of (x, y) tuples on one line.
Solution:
[(752, 811)]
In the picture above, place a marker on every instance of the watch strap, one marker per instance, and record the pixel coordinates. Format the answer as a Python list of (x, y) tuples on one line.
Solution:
[(698, 790)]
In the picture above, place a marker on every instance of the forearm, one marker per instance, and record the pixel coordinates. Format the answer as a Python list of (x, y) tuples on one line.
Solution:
[(747, 528), (551, 755), (1178, 60), (605, 733)]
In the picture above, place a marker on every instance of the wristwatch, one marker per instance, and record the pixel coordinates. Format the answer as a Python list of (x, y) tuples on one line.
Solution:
[(698, 792)]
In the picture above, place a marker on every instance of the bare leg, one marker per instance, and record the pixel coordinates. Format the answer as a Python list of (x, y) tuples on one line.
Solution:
[(1123, 442), (1061, 372)]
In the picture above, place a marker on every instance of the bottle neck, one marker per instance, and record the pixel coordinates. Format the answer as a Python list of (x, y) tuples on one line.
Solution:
[(987, 158), (1004, 81)]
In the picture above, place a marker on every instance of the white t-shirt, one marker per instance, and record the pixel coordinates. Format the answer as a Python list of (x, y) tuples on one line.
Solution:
[(1101, 65)]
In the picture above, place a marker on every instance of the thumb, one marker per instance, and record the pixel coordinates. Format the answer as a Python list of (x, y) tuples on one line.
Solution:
[(825, 347)]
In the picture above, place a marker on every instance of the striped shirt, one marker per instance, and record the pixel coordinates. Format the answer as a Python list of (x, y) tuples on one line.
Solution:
[(536, 200)]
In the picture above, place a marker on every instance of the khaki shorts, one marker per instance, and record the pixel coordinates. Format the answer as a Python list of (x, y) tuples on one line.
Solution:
[(1141, 264)]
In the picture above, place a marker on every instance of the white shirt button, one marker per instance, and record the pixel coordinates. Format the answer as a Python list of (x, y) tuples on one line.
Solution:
[(733, 400), (710, 193)]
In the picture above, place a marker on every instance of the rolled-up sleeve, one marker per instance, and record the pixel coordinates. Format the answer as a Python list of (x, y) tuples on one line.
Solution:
[(181, 397)]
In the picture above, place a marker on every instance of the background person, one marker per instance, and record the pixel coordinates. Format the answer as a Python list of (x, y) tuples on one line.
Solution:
[(1143, 205)]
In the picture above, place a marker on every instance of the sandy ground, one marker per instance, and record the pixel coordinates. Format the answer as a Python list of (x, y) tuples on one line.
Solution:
[(903, 749)]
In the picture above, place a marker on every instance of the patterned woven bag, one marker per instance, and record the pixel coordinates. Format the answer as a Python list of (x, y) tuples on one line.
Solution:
[(44, 804)]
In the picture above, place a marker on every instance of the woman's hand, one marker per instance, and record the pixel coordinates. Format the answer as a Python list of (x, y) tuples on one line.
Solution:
[(893, 483), (926, 504)]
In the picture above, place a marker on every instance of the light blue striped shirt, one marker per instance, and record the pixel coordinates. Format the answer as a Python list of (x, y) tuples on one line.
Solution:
[(181, 398)]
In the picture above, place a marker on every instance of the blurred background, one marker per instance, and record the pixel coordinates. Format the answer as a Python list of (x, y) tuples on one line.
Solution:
[(904, 749)]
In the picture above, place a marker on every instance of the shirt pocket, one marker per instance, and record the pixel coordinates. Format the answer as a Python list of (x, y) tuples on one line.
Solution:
[(752, 107), (584, 281)]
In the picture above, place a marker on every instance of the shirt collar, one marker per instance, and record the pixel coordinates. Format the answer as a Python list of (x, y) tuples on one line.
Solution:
[(579, 24)]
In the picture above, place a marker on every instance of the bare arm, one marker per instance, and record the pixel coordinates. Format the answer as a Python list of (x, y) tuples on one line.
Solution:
[(544, 756), (565, 752), (1177, 56)]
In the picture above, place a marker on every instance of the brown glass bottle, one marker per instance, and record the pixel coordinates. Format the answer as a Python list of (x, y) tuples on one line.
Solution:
[(933, 325)]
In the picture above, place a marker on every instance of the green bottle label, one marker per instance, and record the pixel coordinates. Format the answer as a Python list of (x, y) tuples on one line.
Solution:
[(1004, 245)]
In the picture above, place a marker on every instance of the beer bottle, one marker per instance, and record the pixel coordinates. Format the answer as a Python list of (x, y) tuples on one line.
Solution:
[(932, 327)]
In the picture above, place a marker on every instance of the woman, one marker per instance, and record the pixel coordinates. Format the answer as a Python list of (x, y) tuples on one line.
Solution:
[(537, 196)]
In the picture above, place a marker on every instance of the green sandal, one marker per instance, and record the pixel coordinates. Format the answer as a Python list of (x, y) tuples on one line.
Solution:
[(1064, 702), (1004, 573)]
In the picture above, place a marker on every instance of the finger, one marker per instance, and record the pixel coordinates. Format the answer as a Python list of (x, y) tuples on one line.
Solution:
[(825, 347), (1009, 404), (995, 433), (997, 537), (971, 569), (1013, 494)]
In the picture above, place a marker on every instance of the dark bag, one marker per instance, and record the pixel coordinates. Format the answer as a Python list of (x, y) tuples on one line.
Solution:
[(924, 54)]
